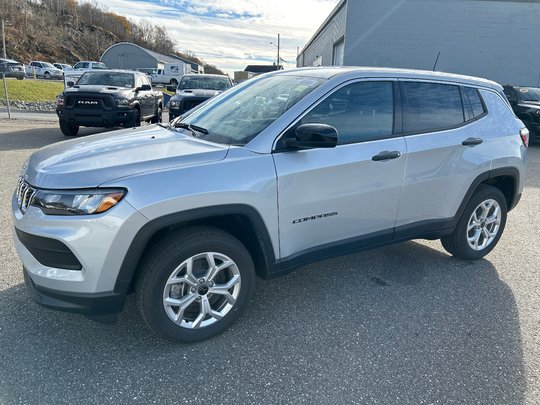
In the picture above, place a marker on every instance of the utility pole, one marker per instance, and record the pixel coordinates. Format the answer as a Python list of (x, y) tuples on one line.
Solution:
[(4, 73), (278, 52)]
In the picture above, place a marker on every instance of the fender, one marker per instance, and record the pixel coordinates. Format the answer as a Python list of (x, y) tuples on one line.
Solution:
[(145, 234)]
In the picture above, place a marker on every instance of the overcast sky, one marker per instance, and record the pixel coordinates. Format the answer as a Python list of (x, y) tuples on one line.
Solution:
[(232, 34)]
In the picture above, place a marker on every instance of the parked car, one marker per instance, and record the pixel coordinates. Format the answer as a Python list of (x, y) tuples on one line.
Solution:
[(88, 65), (525, 102), (108, 98), (12, 68), (193, 89), (63, 66), (281, 170), (45, 70)]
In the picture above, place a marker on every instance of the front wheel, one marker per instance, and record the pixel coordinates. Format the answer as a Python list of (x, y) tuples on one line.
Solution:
[(194, 284), (157, 118), (480, 226), (136, 119), (68, 129)]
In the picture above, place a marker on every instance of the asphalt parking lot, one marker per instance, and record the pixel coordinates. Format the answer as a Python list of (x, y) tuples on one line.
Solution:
[(405, 324)]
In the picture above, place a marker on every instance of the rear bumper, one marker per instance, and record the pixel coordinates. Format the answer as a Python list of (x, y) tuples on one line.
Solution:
[(79, 303), (95, 118)]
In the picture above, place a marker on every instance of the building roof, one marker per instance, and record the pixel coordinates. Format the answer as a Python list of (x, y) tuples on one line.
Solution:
[(262, 68), (156, 55)]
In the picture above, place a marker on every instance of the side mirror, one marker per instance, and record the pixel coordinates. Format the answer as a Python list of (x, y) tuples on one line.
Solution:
[(145, 87), (70, 84), (311, 136)]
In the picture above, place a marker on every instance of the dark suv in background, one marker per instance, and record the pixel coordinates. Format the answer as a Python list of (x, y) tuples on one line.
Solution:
[(195, 89), (12, 68), (525, 102)]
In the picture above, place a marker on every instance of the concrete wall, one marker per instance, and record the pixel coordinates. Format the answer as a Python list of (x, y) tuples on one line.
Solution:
[(495, 39), (126, 56), (321, 48)]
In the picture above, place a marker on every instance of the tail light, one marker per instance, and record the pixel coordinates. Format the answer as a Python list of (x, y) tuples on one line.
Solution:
[(524, 134)]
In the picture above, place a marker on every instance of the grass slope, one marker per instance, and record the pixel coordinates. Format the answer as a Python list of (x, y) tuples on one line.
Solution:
[(31, 90)]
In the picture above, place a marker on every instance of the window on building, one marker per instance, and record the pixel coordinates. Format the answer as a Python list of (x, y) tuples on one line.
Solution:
[(431, 107), (339, 53)]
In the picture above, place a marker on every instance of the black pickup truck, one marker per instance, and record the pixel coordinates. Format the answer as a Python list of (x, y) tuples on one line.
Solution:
[(108, 98)]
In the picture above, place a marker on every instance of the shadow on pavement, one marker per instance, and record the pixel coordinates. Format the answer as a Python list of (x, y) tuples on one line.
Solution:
[(36, 138), (403, 324)]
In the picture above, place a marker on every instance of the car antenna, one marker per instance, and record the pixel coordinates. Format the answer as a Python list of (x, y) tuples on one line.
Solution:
[(436, 61)]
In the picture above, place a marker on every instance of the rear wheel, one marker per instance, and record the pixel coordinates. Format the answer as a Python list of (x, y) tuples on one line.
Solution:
[(68, 129), (47, 75), (174, 82), (194, 284), (480, 226)]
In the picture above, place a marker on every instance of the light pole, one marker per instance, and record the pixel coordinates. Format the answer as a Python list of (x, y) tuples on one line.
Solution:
[(4, 73), (278, 46)]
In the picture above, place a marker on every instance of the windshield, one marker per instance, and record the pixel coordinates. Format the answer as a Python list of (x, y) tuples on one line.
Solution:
[(240, 115), (529, 94), (107, 79), (47, 64), (207, 83)]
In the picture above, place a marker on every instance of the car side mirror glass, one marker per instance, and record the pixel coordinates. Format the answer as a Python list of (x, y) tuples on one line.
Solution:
[(312, 136)]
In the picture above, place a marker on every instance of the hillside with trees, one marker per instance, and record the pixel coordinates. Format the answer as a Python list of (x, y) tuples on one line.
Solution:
[(69, 31)]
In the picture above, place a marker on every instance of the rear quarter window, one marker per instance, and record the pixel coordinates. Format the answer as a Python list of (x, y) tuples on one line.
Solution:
[(431, 107)]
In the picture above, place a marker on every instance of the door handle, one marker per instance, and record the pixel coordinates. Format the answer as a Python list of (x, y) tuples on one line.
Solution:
[(386, 155), (472, 141)]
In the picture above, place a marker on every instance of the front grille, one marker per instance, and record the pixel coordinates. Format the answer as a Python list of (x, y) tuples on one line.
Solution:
[(89, 101), (25, 195)]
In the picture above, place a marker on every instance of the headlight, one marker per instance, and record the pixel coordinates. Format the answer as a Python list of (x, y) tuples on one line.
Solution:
[(175, 103), (537, 112), (122, 101), (81, 202)]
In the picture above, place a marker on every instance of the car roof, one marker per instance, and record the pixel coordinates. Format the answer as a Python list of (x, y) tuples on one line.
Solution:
[(112, 71), (203, 75), (372, 72)]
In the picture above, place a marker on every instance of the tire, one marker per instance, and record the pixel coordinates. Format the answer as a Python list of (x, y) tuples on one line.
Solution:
[(485, 214), (136, 119), (157, 118), (20, 77), (68, 129), (47, 75), (156, 292), (173, 82)]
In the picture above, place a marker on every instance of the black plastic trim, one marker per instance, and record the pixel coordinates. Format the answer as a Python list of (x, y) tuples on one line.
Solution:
[(49, 252), (139, 243), (86, 304)]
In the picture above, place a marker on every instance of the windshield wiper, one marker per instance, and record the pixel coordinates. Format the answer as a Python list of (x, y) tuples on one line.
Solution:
[(195, 130)]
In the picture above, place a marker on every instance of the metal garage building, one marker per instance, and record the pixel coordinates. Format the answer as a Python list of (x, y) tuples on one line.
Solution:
[(496, 39), (126, 55)]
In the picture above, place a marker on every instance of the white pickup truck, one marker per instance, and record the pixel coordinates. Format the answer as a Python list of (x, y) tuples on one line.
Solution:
[(170, 74)]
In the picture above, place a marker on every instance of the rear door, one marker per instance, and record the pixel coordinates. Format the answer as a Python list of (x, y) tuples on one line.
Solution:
[(337, 198), (448, 148)]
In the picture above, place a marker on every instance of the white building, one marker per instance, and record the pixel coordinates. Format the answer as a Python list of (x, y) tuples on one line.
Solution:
[(496, 39)]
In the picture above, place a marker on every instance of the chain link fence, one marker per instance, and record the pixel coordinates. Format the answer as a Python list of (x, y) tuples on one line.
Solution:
[(12, 109)]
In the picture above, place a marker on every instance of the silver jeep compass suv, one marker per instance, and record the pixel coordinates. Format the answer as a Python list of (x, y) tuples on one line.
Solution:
[(282, 170)]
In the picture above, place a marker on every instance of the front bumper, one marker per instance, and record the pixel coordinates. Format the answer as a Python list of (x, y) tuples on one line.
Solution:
[(80, 303), (95, 117)]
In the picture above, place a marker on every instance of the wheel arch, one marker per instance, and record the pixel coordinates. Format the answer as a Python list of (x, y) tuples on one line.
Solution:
[(505, 179), (242, 221)]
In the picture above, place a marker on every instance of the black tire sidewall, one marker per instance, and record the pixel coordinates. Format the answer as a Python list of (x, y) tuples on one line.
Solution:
[(152, 298), (483, 194)]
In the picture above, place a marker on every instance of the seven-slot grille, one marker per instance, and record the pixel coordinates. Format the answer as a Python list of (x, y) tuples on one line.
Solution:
[(25, 195)]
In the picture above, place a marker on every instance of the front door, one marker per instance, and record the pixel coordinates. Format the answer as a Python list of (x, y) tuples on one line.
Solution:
[(348, 195)]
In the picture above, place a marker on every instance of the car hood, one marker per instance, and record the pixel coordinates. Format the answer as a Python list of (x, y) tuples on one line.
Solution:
[(196, 93), (99, 89), (91, 161)]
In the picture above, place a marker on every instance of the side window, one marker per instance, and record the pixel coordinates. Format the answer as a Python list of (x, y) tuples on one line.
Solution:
[(511, 94), (431, 107), (138, 81), (476, 102), (360, 112), (145, 80)]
